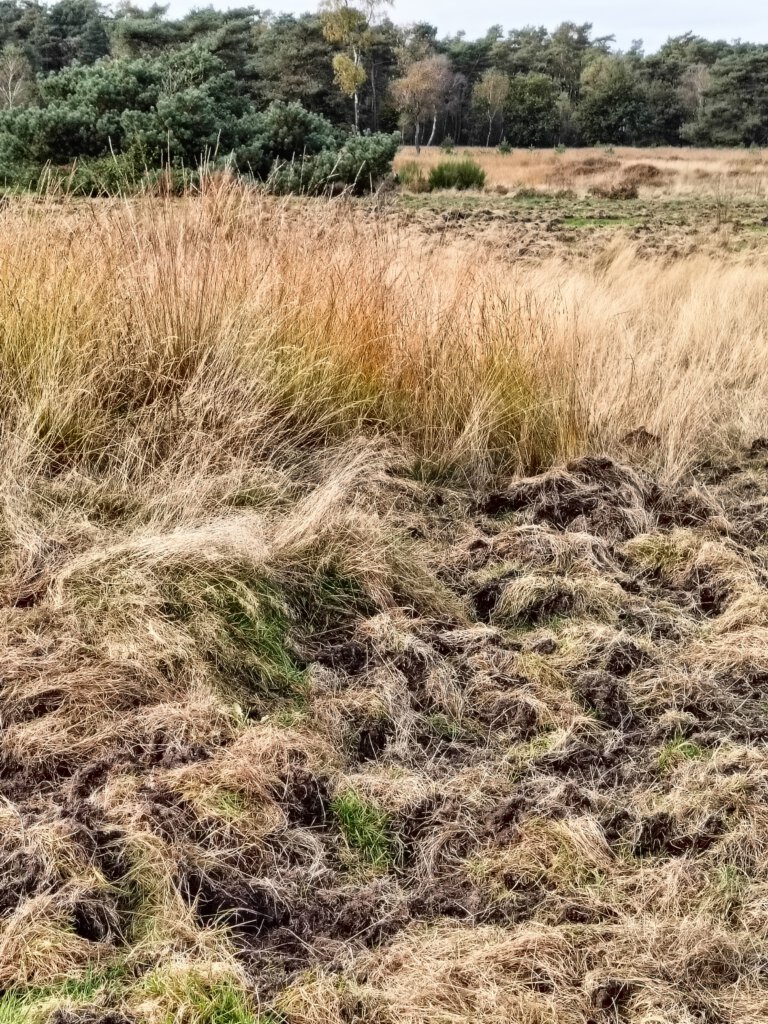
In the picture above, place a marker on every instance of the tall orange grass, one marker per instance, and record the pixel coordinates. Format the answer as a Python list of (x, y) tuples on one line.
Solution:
[(133, 331)]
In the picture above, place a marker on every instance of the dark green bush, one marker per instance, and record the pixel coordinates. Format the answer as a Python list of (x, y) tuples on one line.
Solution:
[(121, 105), (19, 176), (359, 165), (284, 132), (96, 129), (285, 146), (460, 174)]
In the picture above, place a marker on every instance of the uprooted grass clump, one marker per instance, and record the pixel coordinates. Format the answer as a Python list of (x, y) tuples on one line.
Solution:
[(315, 707)]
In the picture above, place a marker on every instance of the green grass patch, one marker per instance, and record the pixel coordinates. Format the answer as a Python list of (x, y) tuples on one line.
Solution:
[(228, 804), (257, 623), (535, 197), (327, 599), (29, 1005), (445, 728), (290, 717), (366, 830), (244, 627), (251, 628), (677, 751), (728, 886), (194, 999), (18, 1008), (523, 756)]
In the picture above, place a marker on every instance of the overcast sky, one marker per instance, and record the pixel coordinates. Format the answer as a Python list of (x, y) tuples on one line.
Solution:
[(650, 20)]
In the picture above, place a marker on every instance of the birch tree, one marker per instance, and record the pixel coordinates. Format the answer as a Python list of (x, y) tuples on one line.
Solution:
[(421, 93), (17, 82), (490, 95), (347, 23)]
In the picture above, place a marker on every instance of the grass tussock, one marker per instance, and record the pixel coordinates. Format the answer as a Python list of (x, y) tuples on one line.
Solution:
[(253, 322)]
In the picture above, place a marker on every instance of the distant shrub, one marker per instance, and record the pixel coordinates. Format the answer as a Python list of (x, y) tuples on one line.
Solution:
[(285, 146), (292, 149), (365, 160), (102, 177), (121, 174), (504, 147), (19, 176), (447, 145), (411, 174), (116, 175), (169, 181), (460, 174), (560, 149)]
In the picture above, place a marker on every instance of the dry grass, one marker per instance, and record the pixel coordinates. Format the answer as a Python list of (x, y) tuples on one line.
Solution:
[(680, 171), (327, 692), (259, 323)]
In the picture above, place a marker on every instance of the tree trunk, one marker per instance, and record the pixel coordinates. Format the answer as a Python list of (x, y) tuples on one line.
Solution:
[(356, 96), (417, 137), (374, 98), (434, 130), (490, 129)]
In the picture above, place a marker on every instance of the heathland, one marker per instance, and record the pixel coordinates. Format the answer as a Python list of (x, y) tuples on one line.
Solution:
[(384, 614), (99, 94)]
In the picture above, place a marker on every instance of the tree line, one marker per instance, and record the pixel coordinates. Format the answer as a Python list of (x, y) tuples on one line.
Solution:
[(304, 97)]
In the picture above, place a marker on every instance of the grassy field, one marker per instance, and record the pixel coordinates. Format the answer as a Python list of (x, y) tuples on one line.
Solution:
[(670, 171), (661, 202), (384, 619)]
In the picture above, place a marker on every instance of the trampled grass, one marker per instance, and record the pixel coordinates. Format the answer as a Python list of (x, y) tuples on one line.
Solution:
[(383, 633)]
